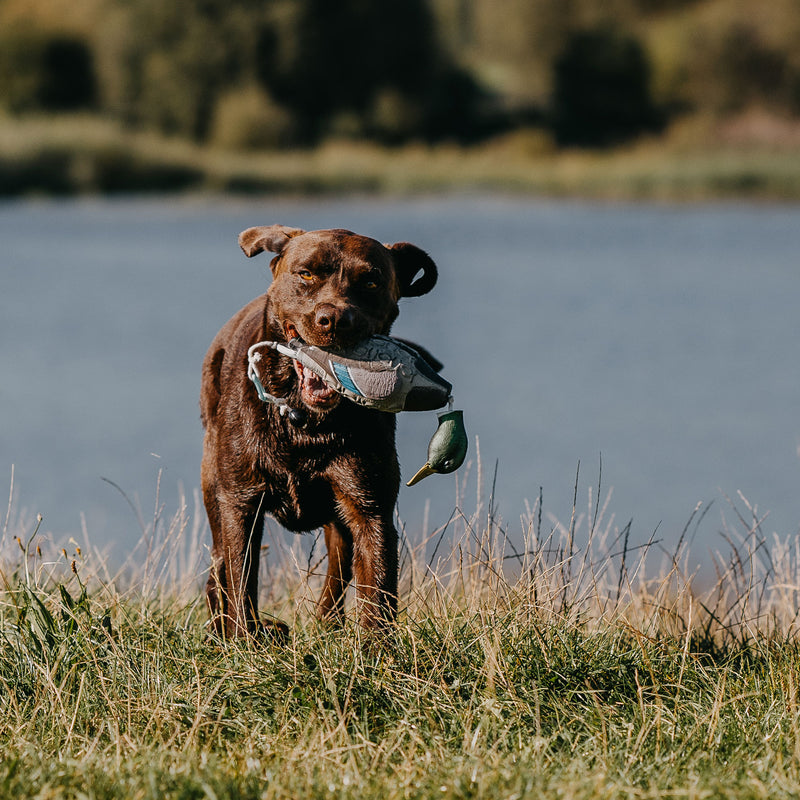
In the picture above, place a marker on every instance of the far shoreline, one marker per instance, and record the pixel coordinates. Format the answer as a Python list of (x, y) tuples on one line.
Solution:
[(91, 156)]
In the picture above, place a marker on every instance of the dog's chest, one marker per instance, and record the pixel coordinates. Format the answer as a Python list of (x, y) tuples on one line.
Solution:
[(302, 502)]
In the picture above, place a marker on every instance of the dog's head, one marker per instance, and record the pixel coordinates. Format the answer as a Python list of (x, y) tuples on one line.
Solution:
[(333, 288)]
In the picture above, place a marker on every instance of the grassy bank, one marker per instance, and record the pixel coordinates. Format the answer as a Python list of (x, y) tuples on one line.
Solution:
[(547, 670), (80, 155)]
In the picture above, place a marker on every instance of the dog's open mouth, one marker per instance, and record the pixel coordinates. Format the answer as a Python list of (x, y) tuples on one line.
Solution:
[(314, 392)]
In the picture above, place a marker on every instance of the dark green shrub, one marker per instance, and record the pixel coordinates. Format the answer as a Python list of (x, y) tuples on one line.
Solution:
[(372, 69), (601, 90), (41, 71), (326, 59)]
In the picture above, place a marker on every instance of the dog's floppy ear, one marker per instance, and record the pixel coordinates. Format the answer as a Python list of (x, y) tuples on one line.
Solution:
[(409, 260), (271, 238)]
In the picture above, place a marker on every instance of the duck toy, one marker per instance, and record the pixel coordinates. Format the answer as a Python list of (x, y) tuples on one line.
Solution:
[(446, 449), (383, 373)]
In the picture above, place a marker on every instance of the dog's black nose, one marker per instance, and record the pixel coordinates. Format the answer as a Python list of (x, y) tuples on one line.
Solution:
[(329, 318)]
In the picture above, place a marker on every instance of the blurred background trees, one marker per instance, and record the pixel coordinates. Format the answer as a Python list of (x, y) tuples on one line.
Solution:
[(601, 89), (42, 71), (287, 73)]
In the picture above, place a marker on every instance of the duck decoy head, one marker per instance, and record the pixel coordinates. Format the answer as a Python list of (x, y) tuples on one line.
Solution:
[(446, 449)]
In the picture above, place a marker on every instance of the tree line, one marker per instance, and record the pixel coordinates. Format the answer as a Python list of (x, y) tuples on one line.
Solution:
[(291, 73)]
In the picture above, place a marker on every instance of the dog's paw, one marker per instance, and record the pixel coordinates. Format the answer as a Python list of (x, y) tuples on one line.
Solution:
[(274, 631), (271, 631)]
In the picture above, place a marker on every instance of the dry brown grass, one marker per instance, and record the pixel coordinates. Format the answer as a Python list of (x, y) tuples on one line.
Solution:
[(565, 662)]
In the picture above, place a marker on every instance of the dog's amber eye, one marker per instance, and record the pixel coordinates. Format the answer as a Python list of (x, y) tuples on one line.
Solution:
[(371, 285), (305, 275)]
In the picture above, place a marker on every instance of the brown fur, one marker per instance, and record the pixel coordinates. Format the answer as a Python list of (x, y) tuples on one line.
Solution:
[(339, 471)]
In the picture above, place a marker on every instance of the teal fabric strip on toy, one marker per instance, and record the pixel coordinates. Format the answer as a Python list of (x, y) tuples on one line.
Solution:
[(343, 374)]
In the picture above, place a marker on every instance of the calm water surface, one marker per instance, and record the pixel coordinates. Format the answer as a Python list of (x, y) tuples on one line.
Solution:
[(664, 340)]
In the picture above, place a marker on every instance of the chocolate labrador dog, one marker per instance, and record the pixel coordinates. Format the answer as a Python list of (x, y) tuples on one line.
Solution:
[(328, 462)]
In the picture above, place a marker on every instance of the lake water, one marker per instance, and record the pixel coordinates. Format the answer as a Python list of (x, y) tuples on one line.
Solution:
[(664, 340)]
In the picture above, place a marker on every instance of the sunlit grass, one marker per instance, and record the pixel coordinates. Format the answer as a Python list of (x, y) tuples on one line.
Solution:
[(562, 660)]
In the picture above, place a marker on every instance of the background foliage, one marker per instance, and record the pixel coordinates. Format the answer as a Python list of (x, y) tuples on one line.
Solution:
[(286, 73)]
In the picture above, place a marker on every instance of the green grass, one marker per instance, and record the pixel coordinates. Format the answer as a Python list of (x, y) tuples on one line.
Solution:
[(551, 670), (84, 155)]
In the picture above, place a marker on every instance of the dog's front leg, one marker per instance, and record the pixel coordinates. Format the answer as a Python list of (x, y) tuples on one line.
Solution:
[(374, 549), (238, 548), (339, 542), (375, 568)]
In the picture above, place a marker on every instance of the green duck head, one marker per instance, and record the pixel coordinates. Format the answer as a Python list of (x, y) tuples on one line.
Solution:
[(447, 447)]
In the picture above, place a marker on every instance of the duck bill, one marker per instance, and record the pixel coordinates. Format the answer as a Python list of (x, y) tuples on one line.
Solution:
[(423, 472)]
